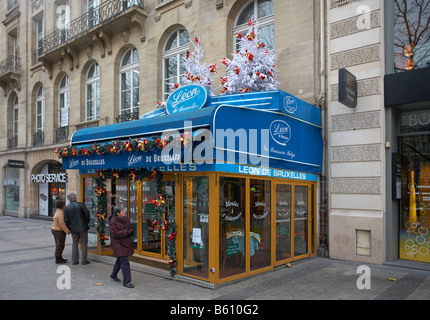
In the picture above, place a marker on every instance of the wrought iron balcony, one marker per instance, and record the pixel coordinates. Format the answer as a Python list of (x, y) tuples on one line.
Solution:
[(38, 138), (12, 143), (10, 70), (62, 134), (89, 28), (129, 116)]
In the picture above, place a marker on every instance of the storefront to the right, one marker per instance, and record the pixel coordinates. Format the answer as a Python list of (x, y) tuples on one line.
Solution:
[(408, 165)]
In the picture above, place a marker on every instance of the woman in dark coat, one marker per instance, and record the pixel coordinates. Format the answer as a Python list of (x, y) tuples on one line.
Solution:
[(121, 233)]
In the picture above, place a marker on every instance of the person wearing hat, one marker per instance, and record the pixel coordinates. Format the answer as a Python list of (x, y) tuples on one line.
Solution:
[(121, 233)]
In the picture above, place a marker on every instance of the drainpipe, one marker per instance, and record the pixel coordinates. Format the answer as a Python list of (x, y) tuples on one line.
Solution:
[(323, 248)]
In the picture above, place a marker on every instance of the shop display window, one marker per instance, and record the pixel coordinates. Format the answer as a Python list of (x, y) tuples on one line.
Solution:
[(301, 220), (283, 222), (11, 187), (90, 201), (151, 239), (260, 227), (232, 226), (413, 184), (196, 226)]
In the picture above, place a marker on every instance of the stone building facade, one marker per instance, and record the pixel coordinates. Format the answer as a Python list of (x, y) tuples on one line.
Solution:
[(355, 136)]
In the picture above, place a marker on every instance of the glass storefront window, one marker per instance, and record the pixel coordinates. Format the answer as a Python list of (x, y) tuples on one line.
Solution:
[(415, 198), (301, 220), (132, 210), (151, 240), (11, 187), (232, 224), (196, 226), (411, 34), (260, 230), (90, 201), (283, 221)]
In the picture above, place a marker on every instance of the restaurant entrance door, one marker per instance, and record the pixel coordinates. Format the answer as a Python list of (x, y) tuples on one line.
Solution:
[(293, 221)]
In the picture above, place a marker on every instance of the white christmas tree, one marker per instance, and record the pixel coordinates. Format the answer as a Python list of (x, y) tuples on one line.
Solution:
[(253, 66), (195, 71)]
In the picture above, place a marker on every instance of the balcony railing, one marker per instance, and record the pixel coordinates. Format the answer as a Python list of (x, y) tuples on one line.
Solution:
[(11, 63), (38, 138), (12, 143), (62, 134), (101, 14), (128, 116)]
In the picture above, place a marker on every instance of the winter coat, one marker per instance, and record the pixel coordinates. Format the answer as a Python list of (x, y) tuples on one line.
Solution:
[(58, 221), (121, 238), (76, 217)]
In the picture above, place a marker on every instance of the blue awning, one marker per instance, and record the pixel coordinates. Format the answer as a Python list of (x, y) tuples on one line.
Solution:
[(271, 129), (143, 127)]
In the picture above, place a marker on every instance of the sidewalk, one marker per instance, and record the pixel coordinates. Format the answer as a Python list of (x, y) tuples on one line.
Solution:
[(28, 271)]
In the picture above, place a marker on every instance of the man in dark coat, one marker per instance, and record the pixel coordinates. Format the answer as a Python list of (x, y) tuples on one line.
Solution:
[(77, 218), (121, 233)]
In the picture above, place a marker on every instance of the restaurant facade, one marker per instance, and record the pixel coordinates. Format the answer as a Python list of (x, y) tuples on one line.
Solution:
[(238, 174)]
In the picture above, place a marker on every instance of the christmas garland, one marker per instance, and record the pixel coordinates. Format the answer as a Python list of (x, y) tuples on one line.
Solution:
[(118, 146), (168, 224)]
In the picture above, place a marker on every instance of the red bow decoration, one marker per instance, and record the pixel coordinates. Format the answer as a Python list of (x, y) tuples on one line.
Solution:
[(113, 149), (141, 144), (128, 146)]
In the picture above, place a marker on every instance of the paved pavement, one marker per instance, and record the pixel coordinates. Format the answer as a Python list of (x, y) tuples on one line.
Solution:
[(28, 271)]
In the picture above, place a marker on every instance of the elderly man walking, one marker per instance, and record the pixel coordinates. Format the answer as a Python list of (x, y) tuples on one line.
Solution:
[(77, 218)]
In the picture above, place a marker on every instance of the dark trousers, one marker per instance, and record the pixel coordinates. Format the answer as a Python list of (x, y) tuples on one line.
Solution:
[(123, 264), (83, 237), (60, 241)]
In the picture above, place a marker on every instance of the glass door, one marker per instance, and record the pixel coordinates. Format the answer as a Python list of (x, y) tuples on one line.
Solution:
[(293, 221), (232, 226), (283, 221), (153, 241), (415, 198), (196, 226), (301, 220), (260, 227)]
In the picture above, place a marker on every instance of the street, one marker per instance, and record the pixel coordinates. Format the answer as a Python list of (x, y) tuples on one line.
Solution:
[(28, 272)]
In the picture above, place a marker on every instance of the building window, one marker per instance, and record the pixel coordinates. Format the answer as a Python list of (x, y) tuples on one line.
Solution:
[(40, 109), (63, 20), (174, 54), (93, 13), (63, 102), (93, 92), (261, 13), (129, 74), (15, 117), (411, 34)]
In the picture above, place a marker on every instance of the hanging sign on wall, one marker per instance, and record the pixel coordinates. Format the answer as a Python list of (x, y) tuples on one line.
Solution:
[(347, 88)]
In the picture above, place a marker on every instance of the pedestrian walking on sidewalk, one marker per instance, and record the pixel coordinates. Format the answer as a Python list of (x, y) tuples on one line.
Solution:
[(77, 218), (121, 233), (59, 230)]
